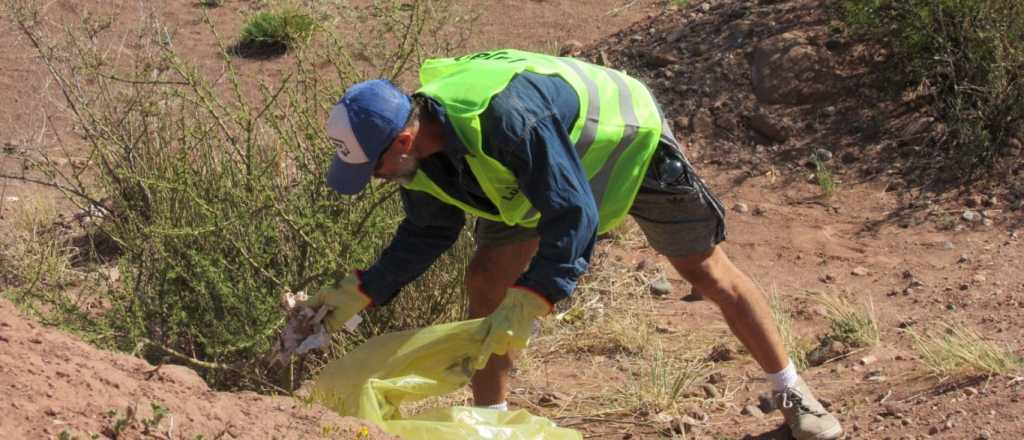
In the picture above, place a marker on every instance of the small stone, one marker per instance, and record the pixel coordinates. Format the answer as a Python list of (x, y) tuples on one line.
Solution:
[(970, 391), (642, 264), (552, 399), (868, 360), (978, 278), (760, 210), (741, 208), (11, 199), (753, 411), (933, 430), (874, 376), (971, 216), (823, 155), (906, 421), (764, 125), (710, 391), (703, 123), (721, 353), (963, 259), (948, 245), (571, 48), (984, 435), (860, 271), (662, 59), (661, 287), (987, 222), (973, 201)]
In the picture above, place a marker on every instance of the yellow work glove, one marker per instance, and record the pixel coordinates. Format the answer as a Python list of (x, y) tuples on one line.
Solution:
[(511, 324), (343, 300)]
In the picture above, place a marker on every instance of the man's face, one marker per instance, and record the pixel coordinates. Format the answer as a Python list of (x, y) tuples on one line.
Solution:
[(398, 163)]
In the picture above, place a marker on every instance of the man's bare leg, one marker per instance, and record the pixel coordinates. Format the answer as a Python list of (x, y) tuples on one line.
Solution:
[(746, 310), (489, 274), (742, 303)]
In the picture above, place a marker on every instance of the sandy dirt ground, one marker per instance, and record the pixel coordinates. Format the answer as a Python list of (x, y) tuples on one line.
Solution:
[(750, 112)]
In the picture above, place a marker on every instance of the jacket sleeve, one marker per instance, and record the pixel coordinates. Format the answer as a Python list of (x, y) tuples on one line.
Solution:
[(430, 227), (537, 148)]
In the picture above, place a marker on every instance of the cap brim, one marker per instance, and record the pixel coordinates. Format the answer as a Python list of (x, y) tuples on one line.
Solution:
[(347, 178)]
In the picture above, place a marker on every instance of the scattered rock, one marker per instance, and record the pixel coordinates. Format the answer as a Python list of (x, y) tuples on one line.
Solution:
[(764, 125), (694, 296), (860, 271), (721, 353), (703, 123), (875, 376), (642, 265), (662, 59), (973, 201), (571, 48), (661, 287), (948, 245), (978, 278), (760, 210), (788, 69), (868, 360), (682, 124), (984, 435), (710, 391), (971, 216), (552, 399), (741, 208), (823, 155), (970, 391), (753, 411)]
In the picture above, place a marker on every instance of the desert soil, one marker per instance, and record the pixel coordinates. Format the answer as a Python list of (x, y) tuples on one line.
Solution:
[(754, 89)]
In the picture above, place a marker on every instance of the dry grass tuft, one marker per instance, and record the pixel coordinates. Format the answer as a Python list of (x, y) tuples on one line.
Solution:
[(851, 325), (662, 382), (960, 351), (35, 254)]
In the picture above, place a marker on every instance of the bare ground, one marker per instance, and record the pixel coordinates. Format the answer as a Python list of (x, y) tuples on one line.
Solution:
[(917, 262)]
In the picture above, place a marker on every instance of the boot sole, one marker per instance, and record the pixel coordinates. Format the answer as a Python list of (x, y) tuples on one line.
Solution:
[(829, 435)]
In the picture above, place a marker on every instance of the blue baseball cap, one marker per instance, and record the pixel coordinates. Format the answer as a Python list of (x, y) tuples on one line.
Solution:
[(361, 126)]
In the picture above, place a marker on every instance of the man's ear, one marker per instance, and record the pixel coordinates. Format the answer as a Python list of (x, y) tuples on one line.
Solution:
[(403, 142)]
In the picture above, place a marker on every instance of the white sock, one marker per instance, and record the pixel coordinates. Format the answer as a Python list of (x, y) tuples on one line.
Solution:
[(503, 406), (785, 378)]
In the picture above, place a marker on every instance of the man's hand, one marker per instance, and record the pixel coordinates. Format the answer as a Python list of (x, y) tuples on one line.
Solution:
[(343, 301), (511, 324)]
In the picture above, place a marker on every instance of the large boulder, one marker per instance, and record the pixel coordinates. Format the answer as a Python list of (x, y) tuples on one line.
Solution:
[(789, 69)]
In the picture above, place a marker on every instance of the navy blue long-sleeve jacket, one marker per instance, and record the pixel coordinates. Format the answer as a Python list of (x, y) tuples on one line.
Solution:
[(526, 127)]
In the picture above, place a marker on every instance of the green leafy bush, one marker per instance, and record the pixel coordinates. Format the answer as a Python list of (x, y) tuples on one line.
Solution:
[(970, 54), (215, 198)]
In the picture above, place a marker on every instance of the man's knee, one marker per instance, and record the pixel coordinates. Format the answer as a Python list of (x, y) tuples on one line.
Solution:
[(487, 278), (710, 273)]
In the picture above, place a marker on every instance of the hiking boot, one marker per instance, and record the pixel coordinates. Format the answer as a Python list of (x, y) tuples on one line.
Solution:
[(807, 419)]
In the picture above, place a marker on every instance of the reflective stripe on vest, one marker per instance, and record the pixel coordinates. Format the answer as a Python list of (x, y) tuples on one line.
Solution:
[(614, 149)]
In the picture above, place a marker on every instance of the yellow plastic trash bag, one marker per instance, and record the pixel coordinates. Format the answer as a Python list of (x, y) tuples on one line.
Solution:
[(373, 381)]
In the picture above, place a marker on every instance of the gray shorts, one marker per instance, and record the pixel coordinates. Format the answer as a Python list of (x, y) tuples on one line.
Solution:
[(679, 216)]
